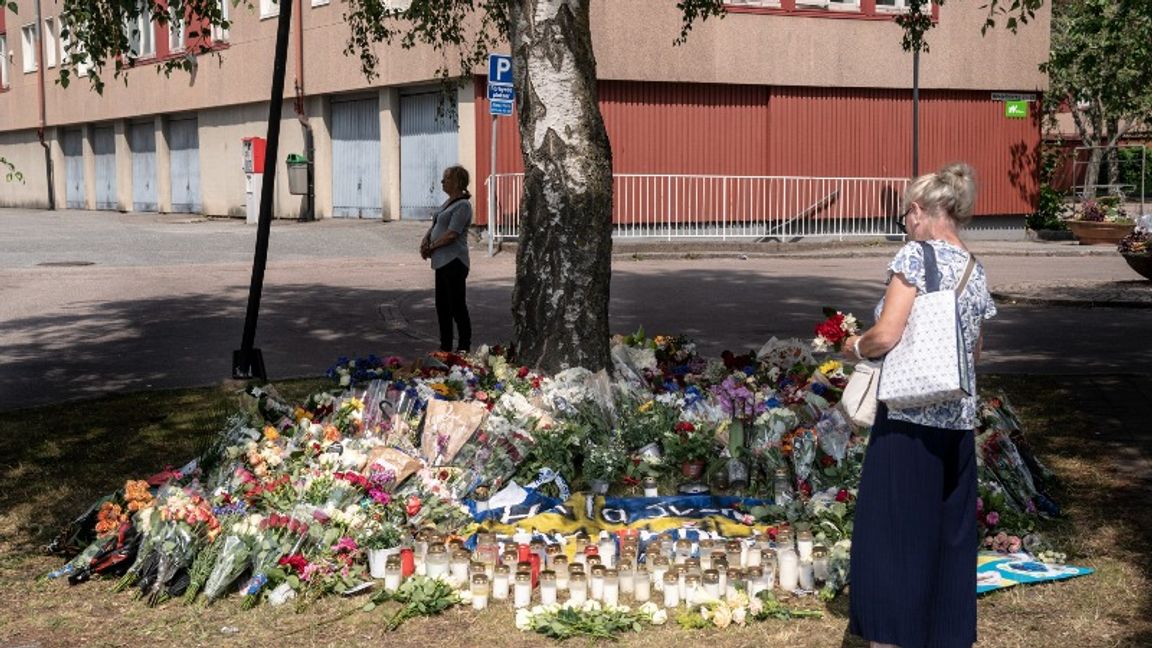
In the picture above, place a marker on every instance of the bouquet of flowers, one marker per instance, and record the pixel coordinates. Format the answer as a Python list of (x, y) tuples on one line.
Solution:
[(233, 555), (831, 333), (279, 535), (186, 521)]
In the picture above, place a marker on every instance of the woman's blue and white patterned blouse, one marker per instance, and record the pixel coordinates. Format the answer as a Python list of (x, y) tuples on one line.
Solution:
[(975, 306)]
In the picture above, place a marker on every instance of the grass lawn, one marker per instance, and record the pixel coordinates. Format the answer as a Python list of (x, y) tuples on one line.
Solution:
[(54, 461)]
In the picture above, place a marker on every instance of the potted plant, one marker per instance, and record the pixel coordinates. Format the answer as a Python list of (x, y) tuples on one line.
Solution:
[(1048, 222), (1098, 222), (603, 465), (1136, 248), (381, 539), (691, 447)]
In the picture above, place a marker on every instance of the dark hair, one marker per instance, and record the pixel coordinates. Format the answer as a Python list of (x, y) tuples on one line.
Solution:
[(461, 174)]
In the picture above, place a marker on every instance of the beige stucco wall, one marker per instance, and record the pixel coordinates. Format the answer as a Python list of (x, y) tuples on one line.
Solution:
[(633, 40), (23, 150)]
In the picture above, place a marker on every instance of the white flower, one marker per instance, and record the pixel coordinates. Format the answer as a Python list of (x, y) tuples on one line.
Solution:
[(755, 606), (281, 595), (523, 619), (660, 617), (649, 608), (465, 596), (623, 609), (345, 379), (738, 615), (592, 606), (538, 610)]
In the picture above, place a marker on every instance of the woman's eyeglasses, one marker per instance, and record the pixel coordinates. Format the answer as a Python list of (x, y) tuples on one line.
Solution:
[(902, 219)]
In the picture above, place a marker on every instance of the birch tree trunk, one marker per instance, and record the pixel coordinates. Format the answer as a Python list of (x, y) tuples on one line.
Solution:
[(564, 254)]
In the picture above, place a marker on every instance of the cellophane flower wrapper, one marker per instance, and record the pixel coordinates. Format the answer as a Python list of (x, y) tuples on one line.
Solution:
[(998, 456), (234, 557), (175, 553), (803, 454), (834, 433)]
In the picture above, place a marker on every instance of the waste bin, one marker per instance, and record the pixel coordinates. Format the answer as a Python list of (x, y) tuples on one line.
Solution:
[(297, 174)]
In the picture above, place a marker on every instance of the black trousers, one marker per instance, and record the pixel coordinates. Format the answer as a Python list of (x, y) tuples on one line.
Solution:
[(452, 305)]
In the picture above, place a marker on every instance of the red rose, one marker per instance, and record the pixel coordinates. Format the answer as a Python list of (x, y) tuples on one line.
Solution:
[(413, 506), (843, 495), (806, 488), (827, 461), (523, 372)]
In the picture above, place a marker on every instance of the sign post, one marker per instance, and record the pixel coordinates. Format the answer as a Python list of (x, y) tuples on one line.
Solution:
[(501, 94)]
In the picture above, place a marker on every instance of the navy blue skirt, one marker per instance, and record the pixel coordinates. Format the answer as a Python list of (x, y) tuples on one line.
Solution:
[(914, 540)]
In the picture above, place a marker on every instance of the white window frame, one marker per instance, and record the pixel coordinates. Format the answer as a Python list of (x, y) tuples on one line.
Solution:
[(220, 34), (177, 33), (143, 42), (899, 6), (4, 61), (320, 3), (270, 8), (50, 42), (830, 5), (28, 41)]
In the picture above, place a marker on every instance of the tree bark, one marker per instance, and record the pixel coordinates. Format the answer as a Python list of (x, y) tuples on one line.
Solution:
[(564, 255)]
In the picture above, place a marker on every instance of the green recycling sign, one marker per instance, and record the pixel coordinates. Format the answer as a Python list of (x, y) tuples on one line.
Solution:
[(1016, 109)]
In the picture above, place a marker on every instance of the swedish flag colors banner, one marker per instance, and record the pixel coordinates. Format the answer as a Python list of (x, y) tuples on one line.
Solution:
[(996, 571), (592, 514)]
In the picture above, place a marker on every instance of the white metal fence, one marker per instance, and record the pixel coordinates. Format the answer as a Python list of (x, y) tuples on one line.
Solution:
[(723, 207)]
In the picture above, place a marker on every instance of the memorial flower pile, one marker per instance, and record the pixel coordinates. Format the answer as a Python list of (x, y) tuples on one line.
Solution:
[(466, 477)]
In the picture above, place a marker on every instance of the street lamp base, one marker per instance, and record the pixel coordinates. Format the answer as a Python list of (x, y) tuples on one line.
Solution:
[(246, 366)]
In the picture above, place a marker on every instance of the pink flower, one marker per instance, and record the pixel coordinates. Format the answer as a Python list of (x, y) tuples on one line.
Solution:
[(993, 518), (979, 504)]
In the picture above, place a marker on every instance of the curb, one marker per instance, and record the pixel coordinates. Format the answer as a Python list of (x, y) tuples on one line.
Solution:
[(1009, 298)]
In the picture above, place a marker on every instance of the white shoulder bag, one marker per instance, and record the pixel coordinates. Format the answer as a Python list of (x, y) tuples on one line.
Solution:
[(858, 402), (929, 365)]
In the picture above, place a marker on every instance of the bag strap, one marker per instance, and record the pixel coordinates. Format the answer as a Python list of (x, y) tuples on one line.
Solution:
[(967, 273), (932, 269)]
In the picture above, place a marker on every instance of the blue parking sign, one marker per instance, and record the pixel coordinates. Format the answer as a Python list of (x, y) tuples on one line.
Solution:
[(499, 69)]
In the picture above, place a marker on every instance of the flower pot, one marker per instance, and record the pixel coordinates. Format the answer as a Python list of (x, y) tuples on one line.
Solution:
[(377, 558), (1141, 263), (1049, 235), (598, 486), (692, 469), (1094, 233)]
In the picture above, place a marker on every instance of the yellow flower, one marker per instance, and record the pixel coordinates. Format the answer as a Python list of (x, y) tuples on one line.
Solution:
[(440, 388), (270, 433), (300, 414), (722, 616), (355, 403), (660, 340), (830, 367), (646, 407)]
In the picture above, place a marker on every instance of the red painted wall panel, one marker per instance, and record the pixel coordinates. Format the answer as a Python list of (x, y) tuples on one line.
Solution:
[(853, 132), (682, 128), (663, 128)]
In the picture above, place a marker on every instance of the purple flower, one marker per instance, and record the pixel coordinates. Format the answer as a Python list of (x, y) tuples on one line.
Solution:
[(993, 518)]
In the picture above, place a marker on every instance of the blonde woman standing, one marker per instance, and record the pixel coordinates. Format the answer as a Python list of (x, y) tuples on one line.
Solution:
[(914, 542), (446, 245)]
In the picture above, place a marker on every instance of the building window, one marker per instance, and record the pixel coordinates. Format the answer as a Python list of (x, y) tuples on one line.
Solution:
[(320, 3), (3, 61), (28, 47), (891, 5), (269, 8), (841, 5), (220, 34), (177, 34), (141, 33), (50, 42)]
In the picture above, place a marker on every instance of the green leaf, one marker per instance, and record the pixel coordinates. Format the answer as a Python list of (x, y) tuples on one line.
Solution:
[(13, 8)]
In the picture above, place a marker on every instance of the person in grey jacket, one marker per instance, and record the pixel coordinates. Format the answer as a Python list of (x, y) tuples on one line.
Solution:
[(446, 244)]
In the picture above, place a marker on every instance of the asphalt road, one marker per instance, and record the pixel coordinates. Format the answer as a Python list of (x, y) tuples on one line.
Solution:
[(160, 301)]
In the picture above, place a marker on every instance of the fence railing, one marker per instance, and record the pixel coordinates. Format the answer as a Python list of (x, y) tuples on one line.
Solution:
[(723, 207)]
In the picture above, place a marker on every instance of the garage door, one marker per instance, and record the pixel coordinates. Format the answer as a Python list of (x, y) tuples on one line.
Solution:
[(104, 152), (356, 159), (142, 143), (428, 144), (73, 144), (184, 153)]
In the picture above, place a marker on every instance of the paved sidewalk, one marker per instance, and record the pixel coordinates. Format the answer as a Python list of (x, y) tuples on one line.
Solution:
[(161, 300)]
